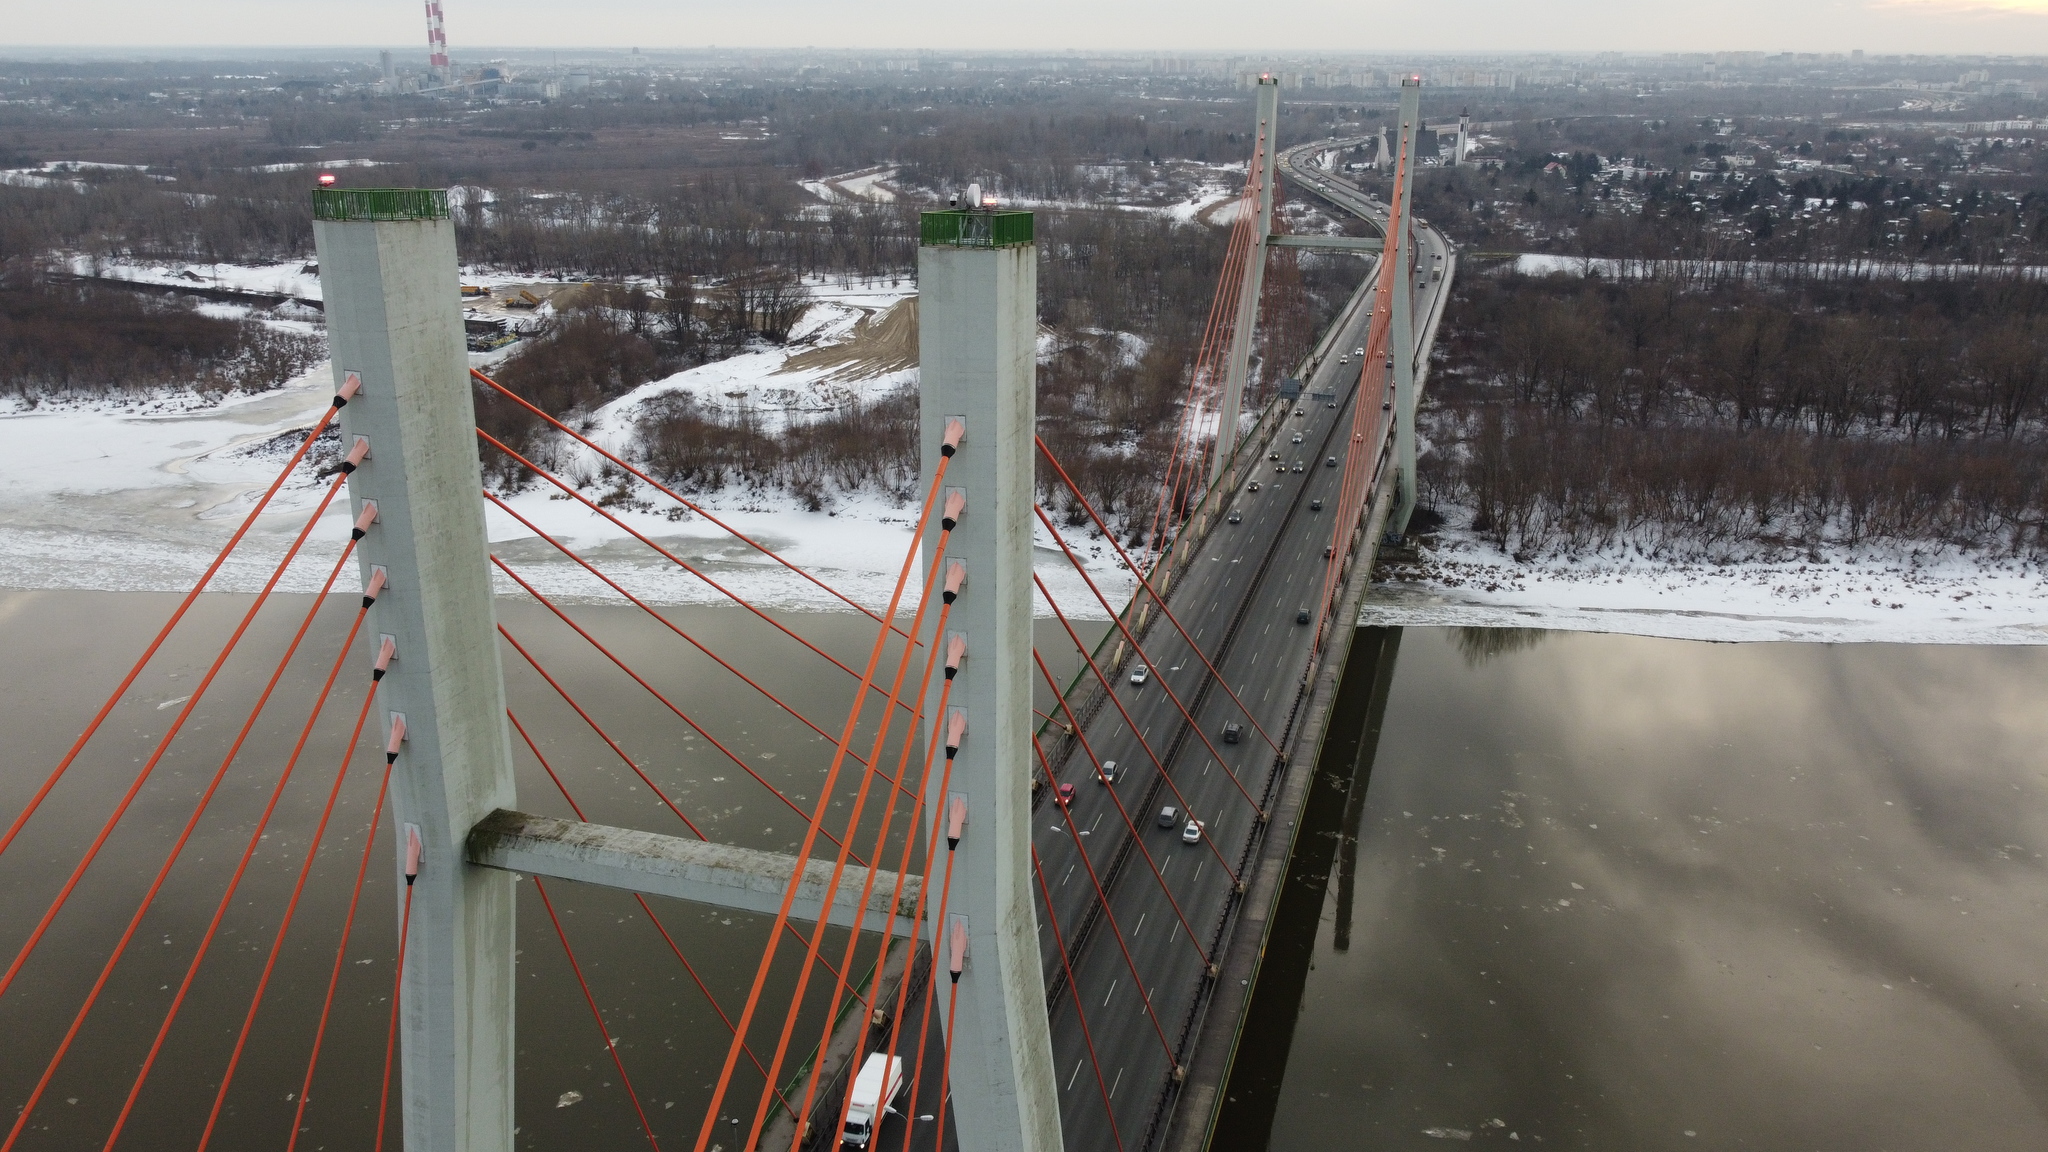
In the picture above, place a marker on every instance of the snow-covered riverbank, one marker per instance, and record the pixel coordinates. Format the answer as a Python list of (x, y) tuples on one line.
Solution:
[(139, 495), (1899, 597)]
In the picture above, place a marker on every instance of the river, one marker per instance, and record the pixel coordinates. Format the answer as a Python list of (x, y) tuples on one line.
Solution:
[(66, 650), (1592, 891), (1555, 889)]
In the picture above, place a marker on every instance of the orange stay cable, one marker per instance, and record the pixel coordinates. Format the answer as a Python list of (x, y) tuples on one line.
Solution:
[(665, 702), (1123, 813), (672, 558), (902, 868), (348, 924), (1115, 930), (227, 896), (675, 496), (177, 724), (663, 620), (917, 919), (291, 909), (177, 614), (955, 504), (1059, 941), (603, 1030), (1139, 650), (391, 1033), (882, 834), (184, 836), (601, 734), (1109, 691), (816, 822), (652, 918), (1145, 584)]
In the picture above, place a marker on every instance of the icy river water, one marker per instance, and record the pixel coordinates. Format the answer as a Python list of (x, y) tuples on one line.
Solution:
[(1571, 890), (1559, 890)]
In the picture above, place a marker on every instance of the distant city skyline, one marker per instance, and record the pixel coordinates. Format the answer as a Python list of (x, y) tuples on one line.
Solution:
[(1965, 27)]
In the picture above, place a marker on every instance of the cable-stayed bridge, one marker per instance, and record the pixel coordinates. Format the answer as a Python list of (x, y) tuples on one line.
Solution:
[(1052, 916)]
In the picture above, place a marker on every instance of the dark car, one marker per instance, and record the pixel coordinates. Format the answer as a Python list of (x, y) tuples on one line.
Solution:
[(1297, 467), (1169, 816), (1315, 505), (1330, 462), (1301, 617), (1232, 731), (1236, 516)]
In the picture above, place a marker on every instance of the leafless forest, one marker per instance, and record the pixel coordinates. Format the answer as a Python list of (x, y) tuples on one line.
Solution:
[(1736, 379), (1744, 418)]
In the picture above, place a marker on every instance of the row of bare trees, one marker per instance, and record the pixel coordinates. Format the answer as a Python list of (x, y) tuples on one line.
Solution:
[(64, 338), (1744, 419)]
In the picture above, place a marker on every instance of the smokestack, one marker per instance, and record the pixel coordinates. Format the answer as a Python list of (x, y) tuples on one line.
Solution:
[(437, 43)]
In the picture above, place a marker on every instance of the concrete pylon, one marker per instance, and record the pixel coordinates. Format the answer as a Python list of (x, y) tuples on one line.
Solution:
[(1401, 342), (977, 275), (387, 274), (1266, 156)]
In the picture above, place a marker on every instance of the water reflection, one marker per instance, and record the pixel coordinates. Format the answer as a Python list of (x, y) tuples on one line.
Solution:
[(1482, 644), (1622, 892)]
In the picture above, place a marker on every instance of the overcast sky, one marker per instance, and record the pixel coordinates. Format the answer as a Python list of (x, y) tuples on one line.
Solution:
[(2018, 27)]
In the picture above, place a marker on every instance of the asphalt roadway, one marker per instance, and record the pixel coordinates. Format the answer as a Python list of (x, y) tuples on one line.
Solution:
[(1139, 963)]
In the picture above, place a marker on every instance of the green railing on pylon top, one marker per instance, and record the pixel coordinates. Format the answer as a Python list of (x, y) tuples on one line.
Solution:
[(380, 204), (969, 228)]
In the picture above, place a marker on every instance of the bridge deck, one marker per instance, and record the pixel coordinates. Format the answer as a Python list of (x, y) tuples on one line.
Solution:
[(1238, 598)]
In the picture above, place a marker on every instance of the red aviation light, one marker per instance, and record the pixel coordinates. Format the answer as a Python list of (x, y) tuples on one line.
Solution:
[(327, 179)]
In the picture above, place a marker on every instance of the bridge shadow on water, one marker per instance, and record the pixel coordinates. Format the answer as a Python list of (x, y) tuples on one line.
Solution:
[(1325, 841)]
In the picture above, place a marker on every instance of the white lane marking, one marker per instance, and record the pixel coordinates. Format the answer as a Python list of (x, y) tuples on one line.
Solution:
[(1141, 925), (1075, 1076), (1119, 1080), (1198, 870), (1068, 876), (1112, 992)]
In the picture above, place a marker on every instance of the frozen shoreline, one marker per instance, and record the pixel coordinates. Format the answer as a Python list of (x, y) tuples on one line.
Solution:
[(1901, 599), (140, 494)]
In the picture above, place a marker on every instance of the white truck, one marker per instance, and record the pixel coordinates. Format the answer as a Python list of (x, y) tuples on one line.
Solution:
[(880, 1079)]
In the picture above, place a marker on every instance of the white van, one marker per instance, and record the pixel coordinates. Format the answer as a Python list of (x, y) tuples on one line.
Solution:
[(880, 1079)]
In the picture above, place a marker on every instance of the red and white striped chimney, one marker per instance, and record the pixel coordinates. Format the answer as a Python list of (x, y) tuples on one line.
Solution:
[(437, 41)]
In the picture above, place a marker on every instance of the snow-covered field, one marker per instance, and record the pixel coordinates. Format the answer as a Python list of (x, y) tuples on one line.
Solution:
[(140, 495), (1896, 597)]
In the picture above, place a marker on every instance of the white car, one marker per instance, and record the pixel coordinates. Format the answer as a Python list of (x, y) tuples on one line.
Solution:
[(1108, 773), (1140, 674), (1358, 351), (1192, 834), (1297, 437)]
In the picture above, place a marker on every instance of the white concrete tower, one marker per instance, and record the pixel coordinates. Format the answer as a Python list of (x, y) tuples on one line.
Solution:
[(1401, 338), (1464, 147), (387, 273), (1265, 155), (977, 274)]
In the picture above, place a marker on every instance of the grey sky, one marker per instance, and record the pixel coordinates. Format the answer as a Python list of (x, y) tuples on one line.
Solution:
[(2017, 27)]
